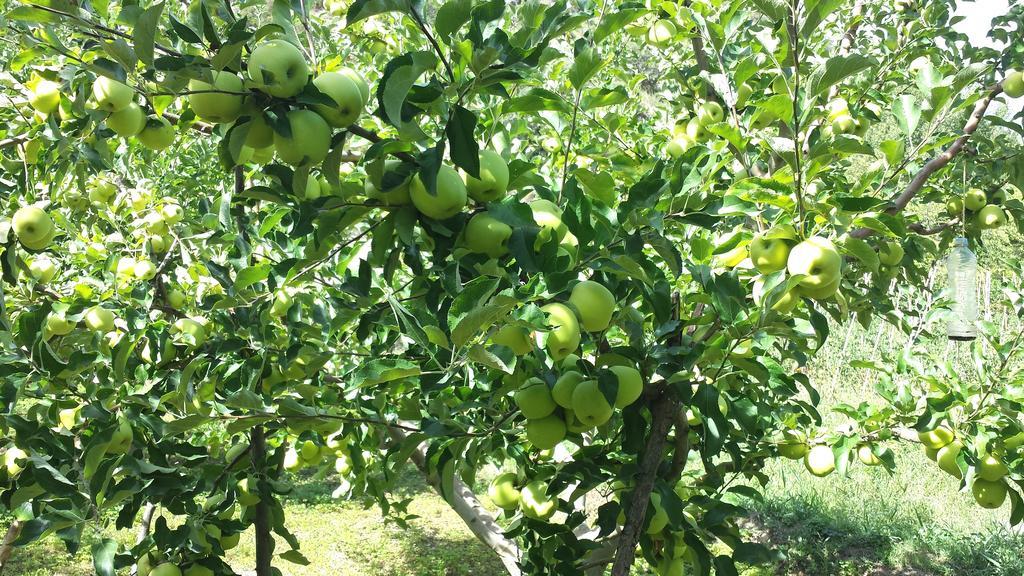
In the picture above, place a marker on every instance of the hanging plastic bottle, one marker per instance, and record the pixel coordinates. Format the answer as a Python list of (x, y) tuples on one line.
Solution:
[(962, 266)]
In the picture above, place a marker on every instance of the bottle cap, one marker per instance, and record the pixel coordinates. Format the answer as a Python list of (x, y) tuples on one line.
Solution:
[(959, 241)]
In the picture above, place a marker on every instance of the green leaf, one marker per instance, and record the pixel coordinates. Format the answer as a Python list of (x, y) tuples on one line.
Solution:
[(894, 151), (295, 557), (612, 23), (452, 16), (251, 275), (179, 425), (851, 145), (536, 100), (461, 133), (399, 77), (586, 64), (361, 9), (144, 34), (599, 97), (103, 556), (837, 69), (774, 9), (379, 371), (908, 113), (861, 250)]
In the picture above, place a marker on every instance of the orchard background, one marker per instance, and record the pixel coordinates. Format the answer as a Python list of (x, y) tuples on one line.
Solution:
[(591, 273)]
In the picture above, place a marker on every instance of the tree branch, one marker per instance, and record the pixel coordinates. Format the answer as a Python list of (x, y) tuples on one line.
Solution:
[(7, 547), (662, 406), (466, 505), (264, 540), (940, 161)]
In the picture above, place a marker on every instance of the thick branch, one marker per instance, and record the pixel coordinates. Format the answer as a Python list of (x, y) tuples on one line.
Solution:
[(662, 408), (940, 161), (464, 502), (7, 547)]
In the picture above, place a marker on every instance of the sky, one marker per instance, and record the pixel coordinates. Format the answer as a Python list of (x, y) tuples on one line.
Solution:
[(979, 16)]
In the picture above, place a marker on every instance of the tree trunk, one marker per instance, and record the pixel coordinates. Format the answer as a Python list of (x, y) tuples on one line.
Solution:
[(264, 539), (662, 408)]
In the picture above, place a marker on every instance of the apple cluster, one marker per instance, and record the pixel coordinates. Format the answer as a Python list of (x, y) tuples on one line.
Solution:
[(688, 132), (815, 260), (944, 447), (532, 499), (978, 209)]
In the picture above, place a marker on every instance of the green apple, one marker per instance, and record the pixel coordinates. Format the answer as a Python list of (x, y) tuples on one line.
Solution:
[(121, 440), (946, 458), (631, 385), (219, 101), (45, 96), (377, 173), (309, 452), (485, 234), (937, 437), (794, 445), (821, 265), (563, 338), (229, 541), (783, 305), (989, 495), (262, 155), (348, 99), (515, 337), (14, 459), (33, 227), (573, 424), (259, 133), (678, 146), (99, 319), (166, 569), (450, 199), (991, 468), (111, 95), (843, 124), (535, 502), (157, 134), (820, 461), (589, 404), (545, 433), (356, 77), (68, 417), (144, 270), (890, 253), (198, 570), (534, 399), (990, 217), (58, 325), (564, 387), (343, 465), (975, 199), (1013, 84), (661, 33), (493, 182), (548, 216), (743, 93), (710, 112), (246, 491), (503, 492), (867, 456), (192, 333), (594, 303), (278, 68), (282, 302), (657, 522), (42, 269), (309, 140), (769, 254)]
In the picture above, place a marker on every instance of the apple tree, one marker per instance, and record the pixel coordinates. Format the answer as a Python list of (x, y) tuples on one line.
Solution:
[(592, 245)]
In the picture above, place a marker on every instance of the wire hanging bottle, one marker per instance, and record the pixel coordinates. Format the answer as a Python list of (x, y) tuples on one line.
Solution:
[(962, 267)]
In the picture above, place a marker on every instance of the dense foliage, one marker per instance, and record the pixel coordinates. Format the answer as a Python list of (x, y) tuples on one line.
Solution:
[(591, 244)]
